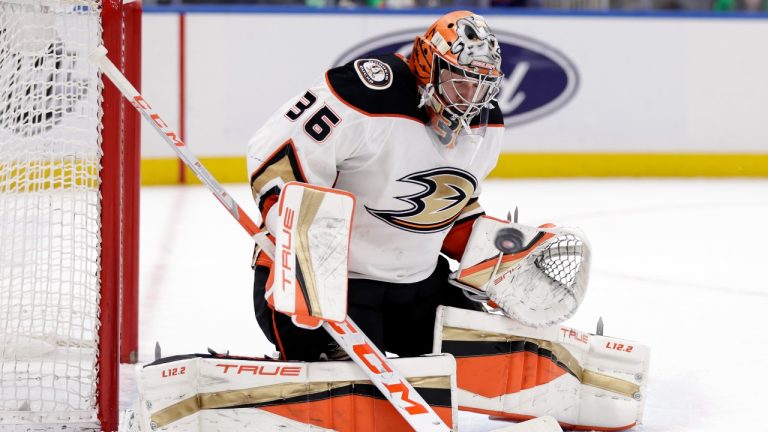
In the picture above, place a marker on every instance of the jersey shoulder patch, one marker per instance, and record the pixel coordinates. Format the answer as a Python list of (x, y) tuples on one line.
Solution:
[(378, 86), (374, 73)]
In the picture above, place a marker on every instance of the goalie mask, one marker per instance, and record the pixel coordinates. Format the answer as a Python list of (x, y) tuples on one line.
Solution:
[(457, 64)]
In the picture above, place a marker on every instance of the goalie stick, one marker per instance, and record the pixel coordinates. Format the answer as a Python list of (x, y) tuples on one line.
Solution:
[(347, 334)]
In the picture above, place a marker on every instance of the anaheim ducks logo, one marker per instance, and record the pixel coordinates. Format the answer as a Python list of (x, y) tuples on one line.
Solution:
[(446, 192)]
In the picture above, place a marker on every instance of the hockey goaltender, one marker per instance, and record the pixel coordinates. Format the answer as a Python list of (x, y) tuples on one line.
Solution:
[(369, 182)]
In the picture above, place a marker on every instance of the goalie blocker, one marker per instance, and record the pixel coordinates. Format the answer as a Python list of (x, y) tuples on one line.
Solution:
[(309, 281)]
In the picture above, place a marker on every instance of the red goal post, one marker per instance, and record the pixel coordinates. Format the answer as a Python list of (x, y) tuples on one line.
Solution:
[(69, 211)]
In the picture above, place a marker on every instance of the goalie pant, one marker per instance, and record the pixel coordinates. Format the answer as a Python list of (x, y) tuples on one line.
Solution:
[(397, 317)]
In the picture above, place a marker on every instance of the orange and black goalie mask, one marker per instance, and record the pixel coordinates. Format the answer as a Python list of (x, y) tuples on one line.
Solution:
[(457, 64)]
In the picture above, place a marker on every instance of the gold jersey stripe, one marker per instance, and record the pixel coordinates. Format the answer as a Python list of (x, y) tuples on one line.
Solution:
[(280, 169)]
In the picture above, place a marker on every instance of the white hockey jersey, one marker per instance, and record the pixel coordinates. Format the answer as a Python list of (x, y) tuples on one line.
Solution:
[(359, 129)]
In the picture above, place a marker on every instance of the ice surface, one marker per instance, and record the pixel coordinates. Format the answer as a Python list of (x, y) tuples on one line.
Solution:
[(677, 265)]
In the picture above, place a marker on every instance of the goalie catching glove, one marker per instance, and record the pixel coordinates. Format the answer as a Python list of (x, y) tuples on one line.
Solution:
[(541, 284)]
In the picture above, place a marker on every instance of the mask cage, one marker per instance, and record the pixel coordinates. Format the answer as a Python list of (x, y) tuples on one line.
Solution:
[(463, 93)]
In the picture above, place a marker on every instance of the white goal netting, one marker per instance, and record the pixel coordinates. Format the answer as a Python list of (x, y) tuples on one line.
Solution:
[(50, 123)]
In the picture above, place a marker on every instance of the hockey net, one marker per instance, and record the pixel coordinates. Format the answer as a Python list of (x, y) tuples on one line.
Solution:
[(59, 285)]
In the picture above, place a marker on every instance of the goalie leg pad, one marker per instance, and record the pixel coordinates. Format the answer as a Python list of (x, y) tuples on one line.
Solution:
[(201, 393), (507, 370)]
